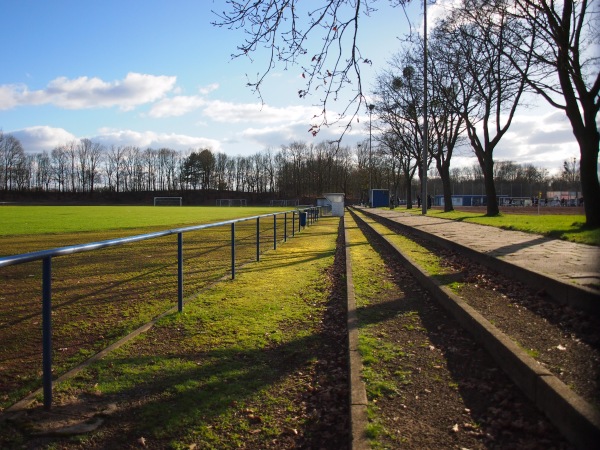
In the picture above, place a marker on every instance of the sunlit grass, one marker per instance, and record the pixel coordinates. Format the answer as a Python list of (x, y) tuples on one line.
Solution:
[(36, 220), (570, 227), (99, 296)]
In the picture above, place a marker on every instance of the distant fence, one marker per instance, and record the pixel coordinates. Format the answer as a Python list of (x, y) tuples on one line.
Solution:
[(301, 217)]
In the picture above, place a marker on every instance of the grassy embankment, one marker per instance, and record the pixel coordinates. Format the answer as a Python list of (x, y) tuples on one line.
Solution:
[(375, 344)]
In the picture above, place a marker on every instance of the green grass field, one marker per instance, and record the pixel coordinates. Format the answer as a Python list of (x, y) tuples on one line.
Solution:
[(35, 220), (570, 227), (101, 296)]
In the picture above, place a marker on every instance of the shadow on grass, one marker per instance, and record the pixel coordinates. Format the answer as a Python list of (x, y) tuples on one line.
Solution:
[(105, 306), (191, 393), (169, 387), (476, 377)]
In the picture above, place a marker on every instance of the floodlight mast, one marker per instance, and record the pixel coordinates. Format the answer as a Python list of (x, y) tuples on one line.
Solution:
[(370, 152), (424, 202)]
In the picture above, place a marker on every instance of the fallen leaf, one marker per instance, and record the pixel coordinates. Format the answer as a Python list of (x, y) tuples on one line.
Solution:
[(455, 428)]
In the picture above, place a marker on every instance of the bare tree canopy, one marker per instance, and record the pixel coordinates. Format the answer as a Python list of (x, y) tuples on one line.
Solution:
[(474, 44), (284, 27), (566, 58)]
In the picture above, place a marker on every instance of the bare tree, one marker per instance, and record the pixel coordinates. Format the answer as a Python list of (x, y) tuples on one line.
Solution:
[(400, 96), (132, 168), (12, 158), (565, 53), (392, 149), (284, 27), (70, 150), (570, 172), (43, 171), (476, 39), (89, 155), (60, 167), (446, 123), (114, 167)]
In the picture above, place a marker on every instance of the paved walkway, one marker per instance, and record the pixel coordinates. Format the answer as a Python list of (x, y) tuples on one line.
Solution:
[(560, 260)]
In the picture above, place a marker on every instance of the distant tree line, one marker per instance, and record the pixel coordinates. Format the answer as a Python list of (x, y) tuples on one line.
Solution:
[(296, 170), (85, 166)]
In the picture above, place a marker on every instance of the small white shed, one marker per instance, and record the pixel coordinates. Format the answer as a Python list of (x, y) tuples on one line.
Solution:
[(337, 204)]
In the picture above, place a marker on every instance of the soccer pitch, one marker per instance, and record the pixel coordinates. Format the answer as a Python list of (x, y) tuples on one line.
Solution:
[(36, 220)]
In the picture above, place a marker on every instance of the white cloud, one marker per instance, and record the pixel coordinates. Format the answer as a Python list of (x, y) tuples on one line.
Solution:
[(176, 106), (9, 95), (208, 89), (84, 92), (282, 134), (228, 112), (42, 138), (542, 137), (154, 140)]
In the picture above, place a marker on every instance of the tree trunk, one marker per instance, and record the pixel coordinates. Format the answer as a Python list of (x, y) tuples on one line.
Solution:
[(408, 182), (589, 180), (444, 171), (490, 187), (447, 187)]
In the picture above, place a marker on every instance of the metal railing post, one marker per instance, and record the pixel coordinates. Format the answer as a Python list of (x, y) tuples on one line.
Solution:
[(285, 227), (258, 238), (233, 251), (47, 331), (274, 231), (180, 272), (293, 223)]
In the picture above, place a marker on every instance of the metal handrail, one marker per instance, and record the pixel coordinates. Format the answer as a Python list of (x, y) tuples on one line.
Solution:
[(72, 249), (46, 257)]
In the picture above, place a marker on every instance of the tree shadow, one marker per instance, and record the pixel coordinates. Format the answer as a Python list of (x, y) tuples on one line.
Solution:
[(483, 387), (171, 387)]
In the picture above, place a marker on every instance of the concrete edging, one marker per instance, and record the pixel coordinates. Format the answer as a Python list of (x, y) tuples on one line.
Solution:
[(578, 420), (358, 392)]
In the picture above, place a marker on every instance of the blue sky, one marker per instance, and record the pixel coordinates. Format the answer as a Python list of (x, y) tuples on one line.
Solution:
[(157, 74)]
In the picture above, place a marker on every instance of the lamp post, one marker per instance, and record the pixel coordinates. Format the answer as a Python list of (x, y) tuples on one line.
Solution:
[(371, 107), (425, 124), (359, 155)]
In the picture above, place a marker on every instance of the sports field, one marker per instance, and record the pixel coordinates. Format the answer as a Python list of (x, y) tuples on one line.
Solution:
[(18, 220)]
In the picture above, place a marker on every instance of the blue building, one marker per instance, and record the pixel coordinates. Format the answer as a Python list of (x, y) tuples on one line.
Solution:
[(379, 197)]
